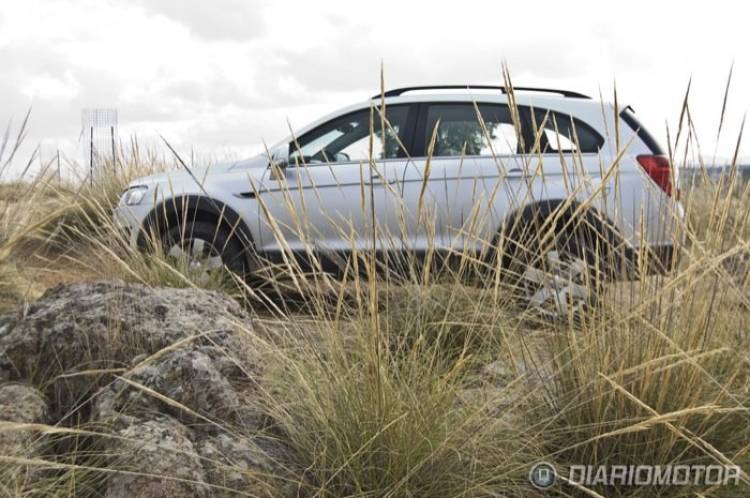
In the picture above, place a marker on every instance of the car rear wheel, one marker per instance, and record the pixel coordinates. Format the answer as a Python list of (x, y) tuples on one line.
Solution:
[(557, 281), (560, 286)]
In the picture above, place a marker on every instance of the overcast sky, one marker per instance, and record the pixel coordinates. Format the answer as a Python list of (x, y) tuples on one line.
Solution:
[(222, 76)]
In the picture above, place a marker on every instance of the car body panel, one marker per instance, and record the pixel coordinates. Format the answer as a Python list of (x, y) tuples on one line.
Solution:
[(384, 204)]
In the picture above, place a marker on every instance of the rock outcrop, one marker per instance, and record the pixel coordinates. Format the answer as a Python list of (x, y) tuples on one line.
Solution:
[(81, 326), (171, 374)]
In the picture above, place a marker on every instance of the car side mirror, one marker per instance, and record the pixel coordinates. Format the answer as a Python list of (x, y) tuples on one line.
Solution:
[(342, 157), (279, 161)]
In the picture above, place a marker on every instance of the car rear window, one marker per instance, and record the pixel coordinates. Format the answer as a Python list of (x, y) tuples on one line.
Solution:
[(562, 133)]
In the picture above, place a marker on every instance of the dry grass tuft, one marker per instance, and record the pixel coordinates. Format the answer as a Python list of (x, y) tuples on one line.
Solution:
[(437, 383)]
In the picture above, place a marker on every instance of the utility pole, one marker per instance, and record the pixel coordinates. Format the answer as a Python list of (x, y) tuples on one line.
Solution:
[(114, 153), (91, 157)]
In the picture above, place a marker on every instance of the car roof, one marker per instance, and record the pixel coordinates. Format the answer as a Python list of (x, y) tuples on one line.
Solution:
[(536, 99)]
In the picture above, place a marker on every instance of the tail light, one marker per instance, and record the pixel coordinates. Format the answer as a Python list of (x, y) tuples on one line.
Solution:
[(657, 167)]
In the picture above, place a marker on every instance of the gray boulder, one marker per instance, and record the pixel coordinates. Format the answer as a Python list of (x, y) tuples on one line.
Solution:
[(102, 325), (173, 376), (20, 404), (156, 458), (200, 411), (186, 384), (79, 325), (253, 465)]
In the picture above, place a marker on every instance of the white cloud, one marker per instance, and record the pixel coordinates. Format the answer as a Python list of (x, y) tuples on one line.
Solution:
[(214, 20)]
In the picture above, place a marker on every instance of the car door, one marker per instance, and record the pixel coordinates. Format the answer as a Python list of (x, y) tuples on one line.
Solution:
[(565, 161), (323, 199), (467, 177)]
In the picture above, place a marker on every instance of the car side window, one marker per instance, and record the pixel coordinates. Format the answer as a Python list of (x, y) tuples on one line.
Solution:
[(561, 133), (460, 132), (347, 138)]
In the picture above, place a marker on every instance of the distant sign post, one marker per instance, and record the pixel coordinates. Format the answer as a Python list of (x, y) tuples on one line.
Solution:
[(99, 132)]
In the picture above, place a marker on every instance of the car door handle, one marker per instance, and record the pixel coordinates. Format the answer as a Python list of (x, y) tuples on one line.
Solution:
[(377, 179), (516, 172)]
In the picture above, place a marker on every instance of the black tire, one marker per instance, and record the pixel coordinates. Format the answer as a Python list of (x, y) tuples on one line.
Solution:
[(557, 278), (216, 241)]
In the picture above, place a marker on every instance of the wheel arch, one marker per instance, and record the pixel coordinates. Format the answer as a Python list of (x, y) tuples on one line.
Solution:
[(588, 226), (190, 207)]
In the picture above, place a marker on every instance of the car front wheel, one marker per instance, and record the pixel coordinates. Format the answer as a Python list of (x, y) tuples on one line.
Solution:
[(205, 249)]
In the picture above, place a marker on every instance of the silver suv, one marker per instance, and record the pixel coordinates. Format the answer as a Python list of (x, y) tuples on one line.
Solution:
[(447, 169)]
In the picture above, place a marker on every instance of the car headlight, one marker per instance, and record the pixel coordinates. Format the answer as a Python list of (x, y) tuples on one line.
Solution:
[(134, 195)]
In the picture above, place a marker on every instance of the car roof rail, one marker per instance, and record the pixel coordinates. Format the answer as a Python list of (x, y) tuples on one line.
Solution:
[(400, 91)]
